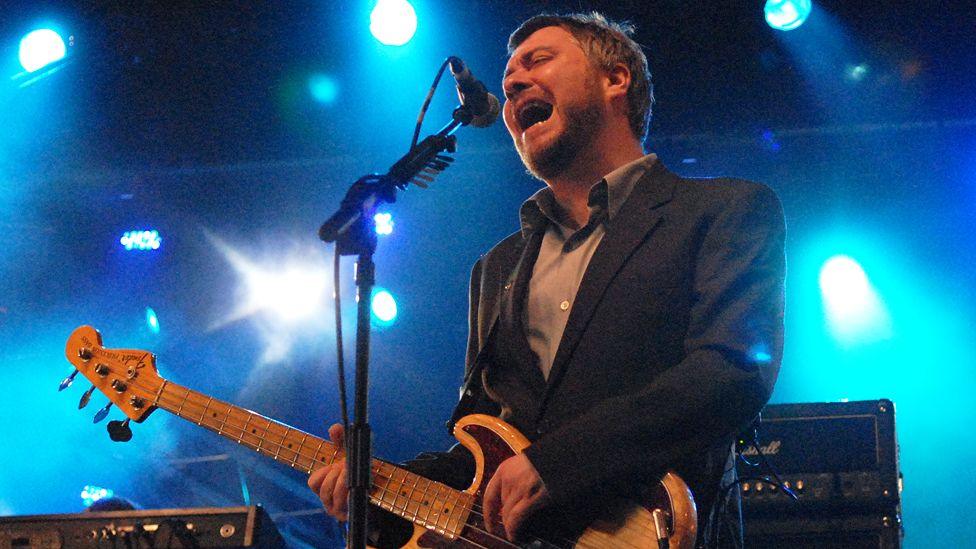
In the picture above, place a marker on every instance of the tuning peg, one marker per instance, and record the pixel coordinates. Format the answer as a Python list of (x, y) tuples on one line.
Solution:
[(102, 413), (119, 431), (86, 397), (66, 382)]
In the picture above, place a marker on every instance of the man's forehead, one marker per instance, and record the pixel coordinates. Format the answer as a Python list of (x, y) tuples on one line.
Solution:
[(554, 37)]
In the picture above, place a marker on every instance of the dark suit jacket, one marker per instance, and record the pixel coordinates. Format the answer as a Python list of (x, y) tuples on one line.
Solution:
[(671, 348)]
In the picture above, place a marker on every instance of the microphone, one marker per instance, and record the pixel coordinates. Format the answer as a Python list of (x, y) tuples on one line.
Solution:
[(483, 105)]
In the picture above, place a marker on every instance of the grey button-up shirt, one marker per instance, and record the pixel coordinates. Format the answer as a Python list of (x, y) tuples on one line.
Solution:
[(566, 253)]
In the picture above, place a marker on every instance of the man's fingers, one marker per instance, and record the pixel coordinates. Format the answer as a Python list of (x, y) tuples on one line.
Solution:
[(316, 478), (337, 434), (491, 504), (513, 517), (327, 492), (340, 496)]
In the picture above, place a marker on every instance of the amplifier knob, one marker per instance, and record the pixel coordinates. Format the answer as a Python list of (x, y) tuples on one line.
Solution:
[(227, 530)]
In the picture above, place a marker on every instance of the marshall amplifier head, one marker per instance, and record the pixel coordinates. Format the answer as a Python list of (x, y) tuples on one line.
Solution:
[(836, 457)]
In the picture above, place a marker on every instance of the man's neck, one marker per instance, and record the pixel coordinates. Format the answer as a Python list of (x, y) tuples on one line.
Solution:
[(571, 188)]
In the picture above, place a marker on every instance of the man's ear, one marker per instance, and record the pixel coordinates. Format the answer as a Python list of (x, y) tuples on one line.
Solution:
[(618, 81)]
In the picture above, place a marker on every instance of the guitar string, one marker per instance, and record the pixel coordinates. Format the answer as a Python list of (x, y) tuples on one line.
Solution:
[(186, 402)]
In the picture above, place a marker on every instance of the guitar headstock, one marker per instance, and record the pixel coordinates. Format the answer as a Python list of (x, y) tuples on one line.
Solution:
[(128, 377)]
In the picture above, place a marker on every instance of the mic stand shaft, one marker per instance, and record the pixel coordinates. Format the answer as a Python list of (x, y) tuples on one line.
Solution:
[(353, 230)]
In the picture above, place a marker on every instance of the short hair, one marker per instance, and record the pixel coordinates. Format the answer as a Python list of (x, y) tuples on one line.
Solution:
[(605, 43)]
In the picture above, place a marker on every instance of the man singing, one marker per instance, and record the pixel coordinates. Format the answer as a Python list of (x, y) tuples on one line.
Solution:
[(634, 323)]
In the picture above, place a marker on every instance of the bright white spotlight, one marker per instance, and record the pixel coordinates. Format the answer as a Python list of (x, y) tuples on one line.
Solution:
[(787, 15), (384, 223), (852, 306), (393, 22), (293, 294), (384, 307), (40, 48)]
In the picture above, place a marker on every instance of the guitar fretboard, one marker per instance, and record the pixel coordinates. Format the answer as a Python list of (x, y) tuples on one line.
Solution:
[(431, 504)]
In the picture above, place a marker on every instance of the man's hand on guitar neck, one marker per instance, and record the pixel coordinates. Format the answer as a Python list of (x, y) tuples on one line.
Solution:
[(330, 482), (514, 492)]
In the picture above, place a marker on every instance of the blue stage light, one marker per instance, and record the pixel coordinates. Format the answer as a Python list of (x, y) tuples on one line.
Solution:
[(152, 320), (141, 240), (787, 15), (90, 494), (384, 307), (40, 48), (324, 89), (393, 22), (384, 223)]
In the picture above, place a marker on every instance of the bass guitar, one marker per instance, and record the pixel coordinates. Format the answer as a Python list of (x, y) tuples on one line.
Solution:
[(442, 517)]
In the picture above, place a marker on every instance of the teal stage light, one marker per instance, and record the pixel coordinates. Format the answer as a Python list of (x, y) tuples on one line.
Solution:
[(384, 307), (90, 494), (324, 89), (152, 320), (40, 48), (393, 22), (787, 15)]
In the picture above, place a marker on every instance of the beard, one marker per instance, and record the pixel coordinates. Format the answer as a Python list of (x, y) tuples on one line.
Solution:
[(556, 158)]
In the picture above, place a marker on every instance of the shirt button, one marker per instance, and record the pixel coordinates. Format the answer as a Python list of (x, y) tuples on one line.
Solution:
[(564, 305)]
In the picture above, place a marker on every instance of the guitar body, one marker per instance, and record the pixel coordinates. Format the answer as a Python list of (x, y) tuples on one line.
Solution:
[(627, 524)]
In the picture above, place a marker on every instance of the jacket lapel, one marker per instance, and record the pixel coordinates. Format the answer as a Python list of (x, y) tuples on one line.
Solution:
[(636, 218), (513, 304)]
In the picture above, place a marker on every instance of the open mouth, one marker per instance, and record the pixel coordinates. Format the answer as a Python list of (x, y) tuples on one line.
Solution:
[(533, 112)]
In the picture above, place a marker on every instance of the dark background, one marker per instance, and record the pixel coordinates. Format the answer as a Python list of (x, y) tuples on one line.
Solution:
[(197, 120)]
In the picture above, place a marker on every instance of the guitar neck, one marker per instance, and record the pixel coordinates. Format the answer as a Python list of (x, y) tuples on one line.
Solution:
[(408, 495)]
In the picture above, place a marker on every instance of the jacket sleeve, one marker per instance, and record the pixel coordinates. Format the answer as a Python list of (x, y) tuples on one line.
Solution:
[(732, 352)]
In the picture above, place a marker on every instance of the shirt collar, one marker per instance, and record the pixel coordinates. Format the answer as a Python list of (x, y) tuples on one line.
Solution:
[(607, 195)]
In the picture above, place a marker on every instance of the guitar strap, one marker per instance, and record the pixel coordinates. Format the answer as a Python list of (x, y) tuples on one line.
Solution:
[(471, 389)]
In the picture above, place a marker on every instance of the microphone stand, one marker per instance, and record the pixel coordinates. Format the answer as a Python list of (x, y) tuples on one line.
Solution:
[(353, 229)]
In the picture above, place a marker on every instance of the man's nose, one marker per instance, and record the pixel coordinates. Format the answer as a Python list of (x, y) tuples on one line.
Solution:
[(513, 85)]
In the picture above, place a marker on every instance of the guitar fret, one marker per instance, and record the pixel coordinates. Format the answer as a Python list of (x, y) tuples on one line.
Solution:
[(382, 486), (315, 455), (426, 502), (439, 513), (179, 411), (413, 491), (240, 439), (294, 462), (160, 392), (280, 444), (223, 421), (451, 507), (395, 486), (205, 409), (260, 440)]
